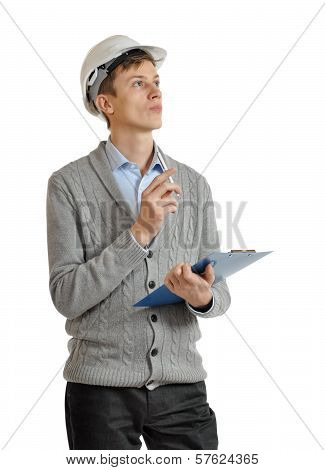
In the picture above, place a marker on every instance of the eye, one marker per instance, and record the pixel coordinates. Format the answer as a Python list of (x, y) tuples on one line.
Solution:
[(140, 81)]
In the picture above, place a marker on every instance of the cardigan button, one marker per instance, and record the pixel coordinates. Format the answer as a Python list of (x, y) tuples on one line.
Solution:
[(154, 352), (154, 317), (149, 255), (152, 284)]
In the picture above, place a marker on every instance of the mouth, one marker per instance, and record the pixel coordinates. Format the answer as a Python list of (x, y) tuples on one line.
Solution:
[(157, 109)]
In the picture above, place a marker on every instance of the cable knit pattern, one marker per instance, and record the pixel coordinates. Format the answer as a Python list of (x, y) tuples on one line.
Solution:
[(192, 217), (97, 271)]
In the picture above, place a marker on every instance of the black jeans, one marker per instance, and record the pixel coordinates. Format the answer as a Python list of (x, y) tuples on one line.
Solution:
[(173, 416)]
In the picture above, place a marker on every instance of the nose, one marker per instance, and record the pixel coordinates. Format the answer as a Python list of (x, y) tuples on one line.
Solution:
[(155, 93)]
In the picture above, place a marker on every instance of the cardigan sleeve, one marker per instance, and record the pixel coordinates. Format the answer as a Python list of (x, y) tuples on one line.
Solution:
[(205, 309), (75, 285), (209, 243)]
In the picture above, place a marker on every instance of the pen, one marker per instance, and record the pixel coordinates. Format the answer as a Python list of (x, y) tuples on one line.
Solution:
[(163, 164)]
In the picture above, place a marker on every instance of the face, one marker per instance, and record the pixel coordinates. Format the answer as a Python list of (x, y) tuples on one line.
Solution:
[(137, 90)]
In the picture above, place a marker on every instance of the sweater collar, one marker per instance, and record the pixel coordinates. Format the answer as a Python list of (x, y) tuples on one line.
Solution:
[(99, 161), (116, 159)]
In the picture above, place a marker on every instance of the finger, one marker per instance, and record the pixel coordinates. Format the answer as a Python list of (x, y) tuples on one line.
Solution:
[(174, 278), (167, 194), (188, 274), (174, 273), (166, 187), (178, 269), (169, 284), (211, 271), (208, 274), (166, 201), (159, 179)]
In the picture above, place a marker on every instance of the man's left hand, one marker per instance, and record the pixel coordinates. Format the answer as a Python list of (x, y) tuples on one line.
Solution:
[(194, 288)]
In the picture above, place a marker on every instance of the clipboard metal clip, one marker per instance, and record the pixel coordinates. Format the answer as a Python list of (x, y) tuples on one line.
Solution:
[(241, 251)]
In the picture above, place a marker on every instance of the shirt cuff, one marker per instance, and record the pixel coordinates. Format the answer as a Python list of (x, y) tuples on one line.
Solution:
[(145, 248), (206, 309)]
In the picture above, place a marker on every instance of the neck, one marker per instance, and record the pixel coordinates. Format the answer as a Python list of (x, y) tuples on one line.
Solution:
[(136, 147)]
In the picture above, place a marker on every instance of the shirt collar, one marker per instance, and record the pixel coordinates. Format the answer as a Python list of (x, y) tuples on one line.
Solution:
[(117, 159)]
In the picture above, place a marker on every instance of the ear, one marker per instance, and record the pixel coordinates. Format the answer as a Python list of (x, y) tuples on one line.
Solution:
[(105, 104)]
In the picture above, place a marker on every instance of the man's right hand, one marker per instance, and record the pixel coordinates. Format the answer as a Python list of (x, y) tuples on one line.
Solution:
[(155, 204)]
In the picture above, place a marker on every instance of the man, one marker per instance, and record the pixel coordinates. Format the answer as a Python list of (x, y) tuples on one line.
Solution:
[(115, 232)]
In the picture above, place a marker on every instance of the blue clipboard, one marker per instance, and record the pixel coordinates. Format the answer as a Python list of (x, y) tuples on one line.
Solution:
[(224, 265)]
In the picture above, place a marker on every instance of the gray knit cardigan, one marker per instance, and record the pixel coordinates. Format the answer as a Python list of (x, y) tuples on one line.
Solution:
[(97, 271)]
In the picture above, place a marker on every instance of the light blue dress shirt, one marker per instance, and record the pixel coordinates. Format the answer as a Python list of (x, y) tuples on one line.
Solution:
[(131, 183)]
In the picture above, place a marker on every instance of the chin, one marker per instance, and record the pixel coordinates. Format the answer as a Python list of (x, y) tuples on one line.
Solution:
[(158, 123), (152, 124)]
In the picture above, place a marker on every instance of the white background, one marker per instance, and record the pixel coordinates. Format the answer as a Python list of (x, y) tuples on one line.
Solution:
[(234, 87)]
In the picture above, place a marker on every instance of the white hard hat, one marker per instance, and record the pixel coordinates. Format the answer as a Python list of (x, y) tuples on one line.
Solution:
[(102, 59)]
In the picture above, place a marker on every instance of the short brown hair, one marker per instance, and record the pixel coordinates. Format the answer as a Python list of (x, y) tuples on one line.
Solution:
[(107, 85)]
